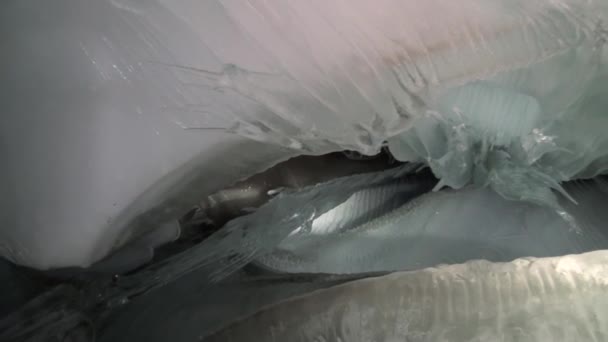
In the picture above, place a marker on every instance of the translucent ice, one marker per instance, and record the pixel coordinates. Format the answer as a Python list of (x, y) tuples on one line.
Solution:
[(93, 156), (366, 204), (190, 309), (351, 74), (547, 299), (449, 227)]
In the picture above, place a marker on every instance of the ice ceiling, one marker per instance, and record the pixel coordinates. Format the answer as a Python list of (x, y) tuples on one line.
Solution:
[(137, 103)]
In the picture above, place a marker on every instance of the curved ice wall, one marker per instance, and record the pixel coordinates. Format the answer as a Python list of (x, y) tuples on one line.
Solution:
[(121, 113)]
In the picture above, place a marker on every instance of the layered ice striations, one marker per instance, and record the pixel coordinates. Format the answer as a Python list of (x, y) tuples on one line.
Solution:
[(349, 75), (547, 299), (521, 132), (492, 93), (365, 205), (450, 227), (246, 238), (177, 86)]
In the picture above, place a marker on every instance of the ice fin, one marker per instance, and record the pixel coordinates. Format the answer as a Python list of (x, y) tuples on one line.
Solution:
[(452, 227), (250, 236)]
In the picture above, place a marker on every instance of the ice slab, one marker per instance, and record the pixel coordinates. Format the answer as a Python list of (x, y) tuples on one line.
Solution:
[(448, 227), (189, 309), (547, 299)]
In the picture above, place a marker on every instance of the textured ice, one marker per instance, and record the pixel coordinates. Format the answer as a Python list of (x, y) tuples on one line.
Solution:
[(190, 309), (521, 132), (135, 103), (547, 299), (93, 156), (449, 227), (248, 237), (366, 204), (351, 74), (53, 316)]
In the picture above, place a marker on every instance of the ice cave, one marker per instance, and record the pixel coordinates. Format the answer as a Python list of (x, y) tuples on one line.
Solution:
[(311, 170)]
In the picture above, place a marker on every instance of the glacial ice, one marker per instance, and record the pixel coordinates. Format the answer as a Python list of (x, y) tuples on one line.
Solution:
[(546, 299), (135, 101), (448, 227), (245, 238), (365, 205), (122, 114), (93, 154), (189, 309), (521, 132), (402, 232)]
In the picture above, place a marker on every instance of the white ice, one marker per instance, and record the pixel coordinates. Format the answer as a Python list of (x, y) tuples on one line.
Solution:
[(449, 227)]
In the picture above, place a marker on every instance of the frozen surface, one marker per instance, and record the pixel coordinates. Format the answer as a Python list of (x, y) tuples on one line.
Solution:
[(119, 114), (245, 238), (449, 227), (521, 132), (547, 299), (365, 205), (93, 150)]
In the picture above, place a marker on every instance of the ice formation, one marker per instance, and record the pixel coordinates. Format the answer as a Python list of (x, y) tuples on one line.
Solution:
[(173, 84), (365, 205), (142, 109), (547, 299), (363, 71), (245, 238), (147, 97), (448, 227), (398, 234), (189, 309)]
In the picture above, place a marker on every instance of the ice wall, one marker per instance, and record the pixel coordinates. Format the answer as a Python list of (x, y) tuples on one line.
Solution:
[(547, 299), (92, 132), (119, 114), (351, 74)]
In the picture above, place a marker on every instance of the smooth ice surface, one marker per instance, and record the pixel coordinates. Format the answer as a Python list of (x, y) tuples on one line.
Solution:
[(93, 150), (449, 227), (547, 299)]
